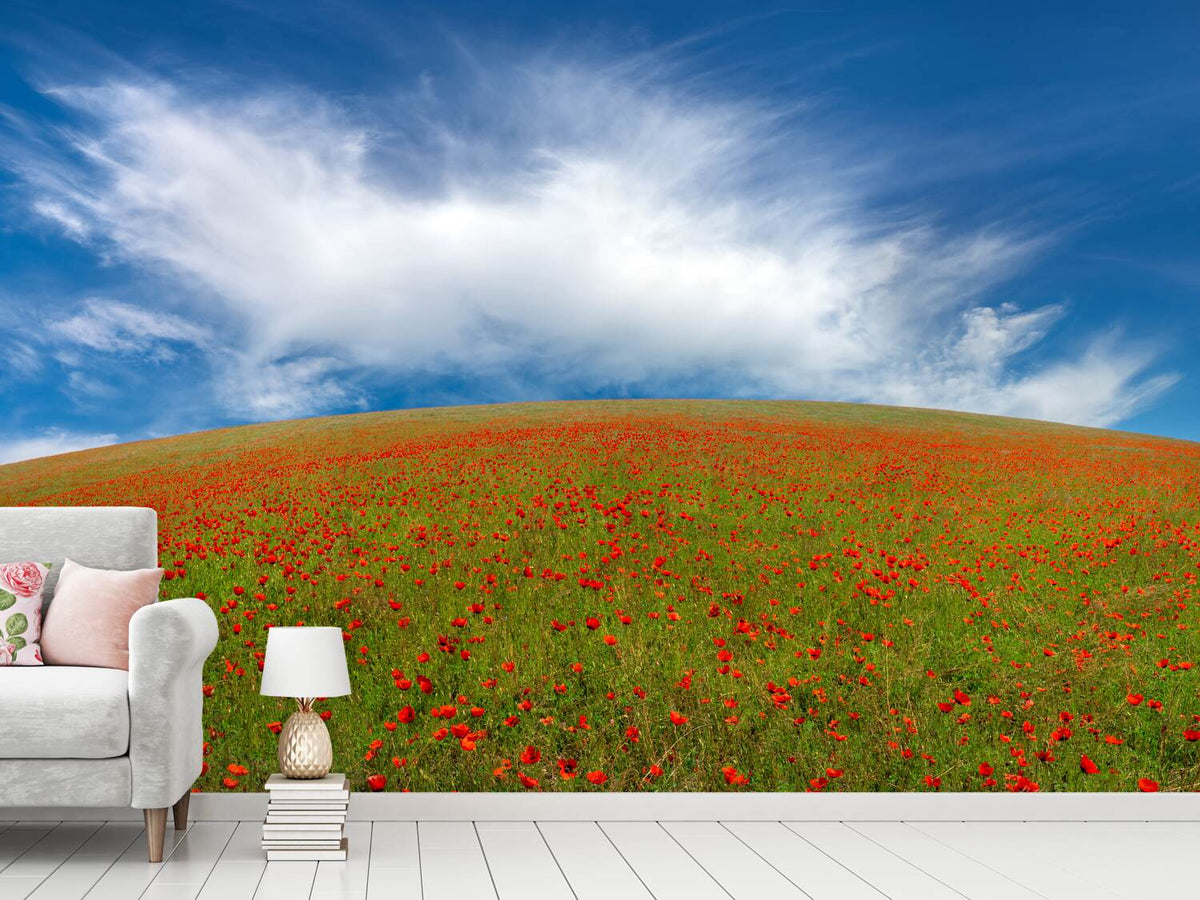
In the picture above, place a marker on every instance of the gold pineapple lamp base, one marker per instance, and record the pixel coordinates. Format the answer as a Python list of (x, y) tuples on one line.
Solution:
[(305, 750)]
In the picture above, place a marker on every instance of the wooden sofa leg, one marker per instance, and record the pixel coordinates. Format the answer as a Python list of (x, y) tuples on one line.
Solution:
[(181, 810), (156, 829)]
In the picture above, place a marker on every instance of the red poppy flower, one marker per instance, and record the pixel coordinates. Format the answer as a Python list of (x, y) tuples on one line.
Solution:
[(736, 778)]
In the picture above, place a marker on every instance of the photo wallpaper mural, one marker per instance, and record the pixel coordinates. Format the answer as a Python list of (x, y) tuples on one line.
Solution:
[(689, 596), (381, 307)]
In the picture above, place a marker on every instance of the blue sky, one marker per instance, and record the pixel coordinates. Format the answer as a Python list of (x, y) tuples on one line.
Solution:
[(216, 213)]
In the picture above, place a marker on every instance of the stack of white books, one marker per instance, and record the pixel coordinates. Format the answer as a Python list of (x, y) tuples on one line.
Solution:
[(306, 818)]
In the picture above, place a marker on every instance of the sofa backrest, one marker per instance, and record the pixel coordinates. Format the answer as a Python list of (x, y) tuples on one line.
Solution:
[(103, 537)]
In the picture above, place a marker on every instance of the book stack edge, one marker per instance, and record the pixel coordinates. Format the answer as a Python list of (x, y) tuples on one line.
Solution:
[(306, 819)]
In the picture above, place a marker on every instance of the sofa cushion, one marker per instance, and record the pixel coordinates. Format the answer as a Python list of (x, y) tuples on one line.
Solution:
[(88, 622), (21, 587), (63, 712)]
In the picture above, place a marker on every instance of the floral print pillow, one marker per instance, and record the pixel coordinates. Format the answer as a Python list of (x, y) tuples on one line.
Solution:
[(21, 586)]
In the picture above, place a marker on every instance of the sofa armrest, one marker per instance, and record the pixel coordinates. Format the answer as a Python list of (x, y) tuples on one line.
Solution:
[(168, 644)]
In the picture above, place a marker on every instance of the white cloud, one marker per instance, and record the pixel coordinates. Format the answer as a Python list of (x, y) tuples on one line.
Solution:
[(584, 231), (72, 225), (1101, 386), (993, 336), (50, 443), (286, 389), (109, 326), (22, 359), (80, 385)]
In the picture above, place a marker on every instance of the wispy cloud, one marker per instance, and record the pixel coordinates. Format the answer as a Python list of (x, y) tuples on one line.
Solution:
[(1102, 385), (266, 390), (50, 443), (557, 229), (109, 326), (72, 225)]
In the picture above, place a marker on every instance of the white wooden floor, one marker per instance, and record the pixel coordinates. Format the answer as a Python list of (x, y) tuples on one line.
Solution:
[(614, 861)]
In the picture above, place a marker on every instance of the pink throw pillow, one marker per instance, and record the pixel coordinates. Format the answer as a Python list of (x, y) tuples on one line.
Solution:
[(87, 623), (21, 586)]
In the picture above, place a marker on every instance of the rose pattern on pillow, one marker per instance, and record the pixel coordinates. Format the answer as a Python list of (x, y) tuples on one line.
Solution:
[(21, 586)]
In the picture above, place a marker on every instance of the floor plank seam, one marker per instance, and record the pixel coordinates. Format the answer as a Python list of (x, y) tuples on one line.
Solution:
[(550, 850), (116, 860), (724, 889), (370, 857), (916, 827), (118, 855), (782, 875), (487, 865), (907, 862), (628, 864), (258, 884), (1063, 861), (4, 868), (262, 873), (167, 854), (979, 862), (208, 875), (420, 863), (69, 855), (317, 871), (837, 861)]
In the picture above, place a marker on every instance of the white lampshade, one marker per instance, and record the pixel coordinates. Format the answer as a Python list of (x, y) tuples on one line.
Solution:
[(305, 662)]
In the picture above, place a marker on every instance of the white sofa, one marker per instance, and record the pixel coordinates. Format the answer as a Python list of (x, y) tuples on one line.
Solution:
[(87, 737)]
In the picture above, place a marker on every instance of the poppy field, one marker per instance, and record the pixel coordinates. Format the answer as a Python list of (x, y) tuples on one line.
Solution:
[(689, 595)]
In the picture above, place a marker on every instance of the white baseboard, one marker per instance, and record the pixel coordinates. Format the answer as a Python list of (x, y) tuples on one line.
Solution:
[(846, 807)]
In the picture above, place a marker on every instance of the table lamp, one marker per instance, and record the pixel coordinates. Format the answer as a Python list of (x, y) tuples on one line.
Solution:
[(305, 663)]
